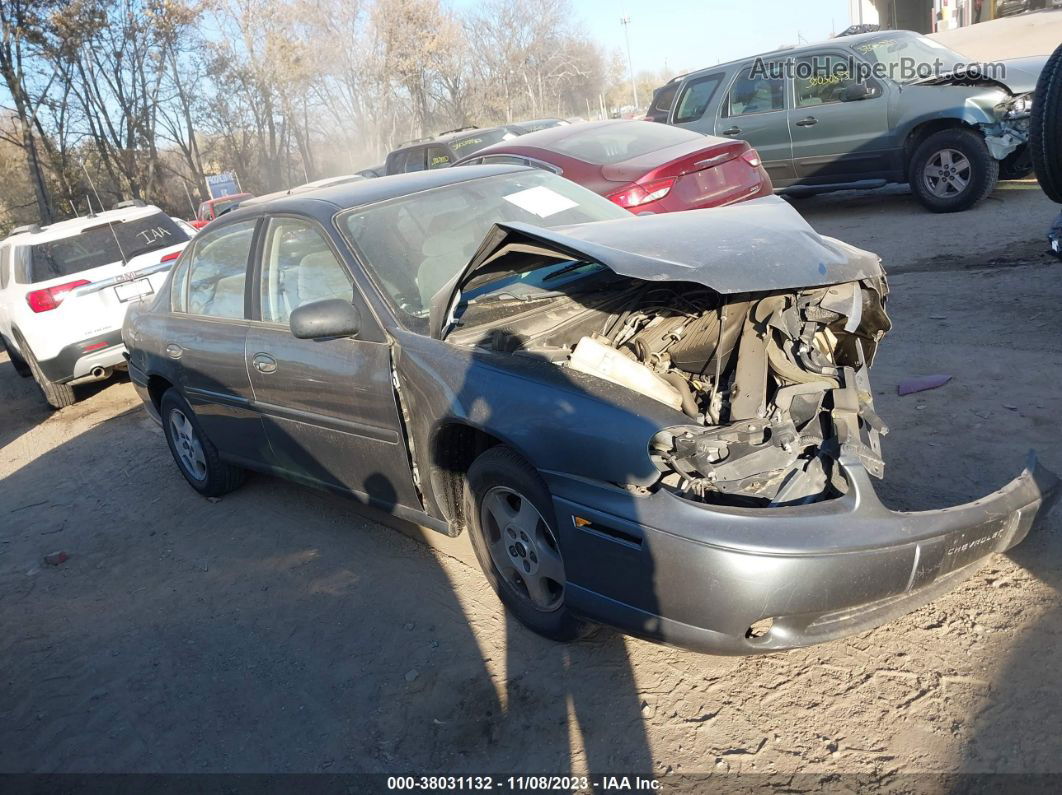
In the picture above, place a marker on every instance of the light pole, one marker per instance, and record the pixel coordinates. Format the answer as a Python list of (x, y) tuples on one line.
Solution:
[(626, 21)]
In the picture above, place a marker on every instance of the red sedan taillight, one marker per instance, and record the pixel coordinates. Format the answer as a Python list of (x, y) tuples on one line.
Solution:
[(637, 195), (49, 298), (170, 257), (752, 157)]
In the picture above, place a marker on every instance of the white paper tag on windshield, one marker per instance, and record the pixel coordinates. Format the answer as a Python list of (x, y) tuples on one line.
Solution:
[(541, 201)]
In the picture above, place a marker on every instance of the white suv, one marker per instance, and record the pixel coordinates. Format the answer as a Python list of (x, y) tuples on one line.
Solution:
[(65, 289)]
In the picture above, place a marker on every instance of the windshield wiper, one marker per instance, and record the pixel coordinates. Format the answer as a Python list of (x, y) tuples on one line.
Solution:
[(566, 269)]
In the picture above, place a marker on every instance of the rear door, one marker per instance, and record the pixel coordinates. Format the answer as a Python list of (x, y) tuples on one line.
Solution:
[(754, 110), (206, 335), (328, 406), (836, 141), (414, 160)]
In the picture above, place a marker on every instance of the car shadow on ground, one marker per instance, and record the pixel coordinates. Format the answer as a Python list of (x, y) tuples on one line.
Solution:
[(277, 629), (24, 405)]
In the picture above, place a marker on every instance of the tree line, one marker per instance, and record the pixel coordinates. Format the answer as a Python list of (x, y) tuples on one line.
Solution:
[(139, 99)]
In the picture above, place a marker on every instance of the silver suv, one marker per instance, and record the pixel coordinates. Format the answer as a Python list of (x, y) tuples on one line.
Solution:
[(862, 111)]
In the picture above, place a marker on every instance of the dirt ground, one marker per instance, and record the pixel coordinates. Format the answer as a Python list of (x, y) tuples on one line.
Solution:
[(284, 630)]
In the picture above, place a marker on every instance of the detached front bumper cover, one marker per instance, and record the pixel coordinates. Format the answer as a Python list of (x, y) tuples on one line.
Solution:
[(811, 573)]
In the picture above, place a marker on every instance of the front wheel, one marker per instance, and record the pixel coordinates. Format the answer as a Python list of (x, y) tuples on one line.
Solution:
[(511, 520), (195, 454), (952, 170)]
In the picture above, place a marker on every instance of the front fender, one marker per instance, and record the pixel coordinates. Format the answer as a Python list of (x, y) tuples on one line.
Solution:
[(559, 420), (918, 105)]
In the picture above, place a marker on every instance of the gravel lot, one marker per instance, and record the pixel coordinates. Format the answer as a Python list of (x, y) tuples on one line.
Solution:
[(285, 630)]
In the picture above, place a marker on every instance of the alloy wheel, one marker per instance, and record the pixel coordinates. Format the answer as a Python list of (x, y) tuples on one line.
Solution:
[(947, 173), (523, 548), (186, 444)]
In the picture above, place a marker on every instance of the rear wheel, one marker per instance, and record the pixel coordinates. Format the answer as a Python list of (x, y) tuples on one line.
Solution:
[(58, 396), (952, 170), (512, 524), (195, 454)]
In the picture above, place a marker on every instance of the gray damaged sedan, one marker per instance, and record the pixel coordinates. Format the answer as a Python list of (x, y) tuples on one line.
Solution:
[(663, 423)]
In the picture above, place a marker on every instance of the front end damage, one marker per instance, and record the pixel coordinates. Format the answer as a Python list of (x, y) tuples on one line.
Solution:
[(785, 405), (755, 335), (1010, 130)]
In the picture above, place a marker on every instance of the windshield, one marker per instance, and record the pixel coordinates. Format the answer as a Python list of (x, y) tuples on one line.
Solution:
[(604, 144), (905, 58), (415, 244), (479, 140), (103, 245)]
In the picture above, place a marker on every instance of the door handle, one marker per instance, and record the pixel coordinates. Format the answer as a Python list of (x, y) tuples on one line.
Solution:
[(174, 351), (264, 363), (732, 131), (808, 122)]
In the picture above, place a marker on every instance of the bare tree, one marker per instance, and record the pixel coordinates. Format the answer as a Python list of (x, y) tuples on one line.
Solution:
[(23, 23)]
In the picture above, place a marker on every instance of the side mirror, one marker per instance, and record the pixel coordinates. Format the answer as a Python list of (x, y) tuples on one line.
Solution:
[(854, 92), (326, 319)]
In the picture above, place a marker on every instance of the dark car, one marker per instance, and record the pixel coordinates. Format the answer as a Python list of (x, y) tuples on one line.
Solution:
[(440, 151), (642, 167), (663, 423), (1009, 8)]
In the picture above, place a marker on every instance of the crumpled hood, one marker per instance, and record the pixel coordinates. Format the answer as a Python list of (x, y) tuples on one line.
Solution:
[(1020, 76), (756, 246)]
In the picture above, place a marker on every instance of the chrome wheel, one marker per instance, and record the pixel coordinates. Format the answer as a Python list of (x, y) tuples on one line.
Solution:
[(186, 444), (523, 547), (947, 173)]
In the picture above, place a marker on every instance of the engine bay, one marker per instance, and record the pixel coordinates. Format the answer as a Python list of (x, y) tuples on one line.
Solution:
[(774, 386)]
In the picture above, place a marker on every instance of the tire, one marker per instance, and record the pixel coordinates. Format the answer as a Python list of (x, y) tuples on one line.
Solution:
[(1045, 128), (195, 455), (965, 154), (498, 484), (16, 361), (58, 396)]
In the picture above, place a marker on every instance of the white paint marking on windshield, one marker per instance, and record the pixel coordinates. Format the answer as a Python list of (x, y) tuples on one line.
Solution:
[(541, 201)]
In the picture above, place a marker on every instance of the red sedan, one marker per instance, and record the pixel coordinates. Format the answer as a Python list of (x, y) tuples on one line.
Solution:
[(643, 167)]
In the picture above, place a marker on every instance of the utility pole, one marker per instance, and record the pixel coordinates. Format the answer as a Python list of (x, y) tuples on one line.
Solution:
[(626, 22)]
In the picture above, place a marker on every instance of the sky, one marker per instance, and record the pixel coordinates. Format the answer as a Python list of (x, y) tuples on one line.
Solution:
[(690, 34)]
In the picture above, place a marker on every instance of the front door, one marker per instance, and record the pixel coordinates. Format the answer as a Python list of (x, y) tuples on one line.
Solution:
[(206, 334), (754, 110), (328, 406), (833, 140)]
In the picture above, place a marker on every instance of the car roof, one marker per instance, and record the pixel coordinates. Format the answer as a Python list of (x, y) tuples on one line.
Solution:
[(841, 41), (309, 187), (75, 226), (538, 121), (547, 138), (328, 200), (445, 137)]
